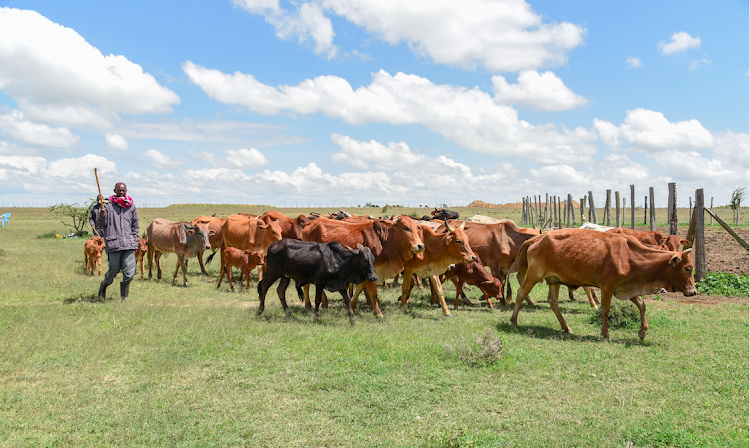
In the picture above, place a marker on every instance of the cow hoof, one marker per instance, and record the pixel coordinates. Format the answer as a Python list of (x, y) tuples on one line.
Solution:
[(259, 312), (379, 315), (448, 315), (642, 335)]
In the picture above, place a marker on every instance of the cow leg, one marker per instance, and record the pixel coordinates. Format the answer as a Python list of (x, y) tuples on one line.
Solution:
[(554, 289), (247, 276), (570, 294), (157, 256), (531, 278), (406, 287), (300, 293), (348, 302), (150, 254), (325, 298), (419, 282), (263, 287), (200, 262), (606, 302), (459, 290), (441, 298), (372, 289), (306, 289), (593, 294), (395, 280), (590, 296), (99, 261), (230, 276), (642, 308), (487, 298), (359, 289), (318, 300), (221, 277), (281, 291)]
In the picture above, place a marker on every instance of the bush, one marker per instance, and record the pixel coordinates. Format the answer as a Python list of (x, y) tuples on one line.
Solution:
[(725, 284), (486, 349), (77, 215), (622, 314)]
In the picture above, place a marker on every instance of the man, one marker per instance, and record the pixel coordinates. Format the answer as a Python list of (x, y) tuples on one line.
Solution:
[(93, 213), (118, 220)]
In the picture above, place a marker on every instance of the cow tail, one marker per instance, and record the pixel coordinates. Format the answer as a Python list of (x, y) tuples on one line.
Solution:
[(210, 257)]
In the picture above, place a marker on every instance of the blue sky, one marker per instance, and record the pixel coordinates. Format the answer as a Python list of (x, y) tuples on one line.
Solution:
[(349, 101)]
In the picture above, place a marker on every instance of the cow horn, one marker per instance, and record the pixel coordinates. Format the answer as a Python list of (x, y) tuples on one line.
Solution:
[(448, 226), (463, 225)]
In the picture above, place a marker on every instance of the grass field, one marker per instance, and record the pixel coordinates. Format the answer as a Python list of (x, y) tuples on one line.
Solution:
[(196, 367)]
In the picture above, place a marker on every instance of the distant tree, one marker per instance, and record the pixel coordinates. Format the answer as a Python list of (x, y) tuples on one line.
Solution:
[(75, 216), (385, 209), (738, 196)]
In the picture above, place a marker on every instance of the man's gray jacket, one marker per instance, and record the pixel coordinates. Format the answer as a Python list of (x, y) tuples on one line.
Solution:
[(120, 227)]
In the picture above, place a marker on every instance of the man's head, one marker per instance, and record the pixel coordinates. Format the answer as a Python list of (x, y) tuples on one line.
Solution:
[(121, 190)]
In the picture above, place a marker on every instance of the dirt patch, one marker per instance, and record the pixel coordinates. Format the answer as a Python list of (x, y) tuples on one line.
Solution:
[(700, 299)]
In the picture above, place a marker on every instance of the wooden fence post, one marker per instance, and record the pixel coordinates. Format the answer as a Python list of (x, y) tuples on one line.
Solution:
[(652, 209), (711, 222), (699, 244), (582, 208), (546, 207), (617, 209), (632, 206), (559, 213), (607, 207), (690, 206), (553, 212), (645, 210), (672, 208), (592, 208), (571, 211)]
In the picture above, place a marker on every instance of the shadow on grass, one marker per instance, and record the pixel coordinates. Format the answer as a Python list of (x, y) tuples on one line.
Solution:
[(539, 332), (88, 298)]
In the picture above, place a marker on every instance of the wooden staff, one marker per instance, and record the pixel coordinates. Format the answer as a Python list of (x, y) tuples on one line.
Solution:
[(97, 186)]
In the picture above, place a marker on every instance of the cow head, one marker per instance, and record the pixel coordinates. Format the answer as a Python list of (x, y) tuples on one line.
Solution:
[(255, 258), (407, 234), (142, 244), (363, 263), (492, 288), (457, 243), (681, 273), (192, 237), (204, 232)]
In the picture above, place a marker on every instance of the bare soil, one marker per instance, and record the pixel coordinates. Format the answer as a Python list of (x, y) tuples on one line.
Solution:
[(723, 254)]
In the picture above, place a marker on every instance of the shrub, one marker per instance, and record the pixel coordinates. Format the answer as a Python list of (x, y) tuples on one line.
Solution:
[(622, 314), (486, 349), (725, 284)]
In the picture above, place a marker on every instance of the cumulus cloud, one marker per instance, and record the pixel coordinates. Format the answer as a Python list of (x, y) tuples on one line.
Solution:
[(470, 117), (236, 158), (679, 42), (647, 130), (160, 160), (30, 164), (633, 62), (499, 36), (116, 142), (545, 91), (16, 125), (56, 76)]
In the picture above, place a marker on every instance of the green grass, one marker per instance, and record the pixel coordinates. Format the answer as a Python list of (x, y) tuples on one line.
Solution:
[(196, 367), (724, 284)]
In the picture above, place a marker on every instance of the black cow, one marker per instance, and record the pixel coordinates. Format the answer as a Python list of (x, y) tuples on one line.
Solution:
[(329, 266), (443, 213)]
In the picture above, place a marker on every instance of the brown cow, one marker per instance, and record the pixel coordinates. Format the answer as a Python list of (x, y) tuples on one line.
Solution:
[(497, 245), (474, 274), (140, 252), (290, 227), (619, 265), (248, 234), (214, 225), (245, 260), (392, 243), (92, 254), (440, 251), (180, 238)]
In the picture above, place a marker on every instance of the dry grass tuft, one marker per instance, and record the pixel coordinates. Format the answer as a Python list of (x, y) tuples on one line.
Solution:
[(486, 349)]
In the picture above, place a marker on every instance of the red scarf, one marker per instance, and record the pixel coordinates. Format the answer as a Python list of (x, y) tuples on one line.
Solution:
[(126, 201)]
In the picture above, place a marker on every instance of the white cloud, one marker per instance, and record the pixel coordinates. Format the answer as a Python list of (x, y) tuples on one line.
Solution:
[(161, 160), (116, 142), (680, 41), (699, 63), (20, 128), (467, 116), (646, 130), (81, 168), (306, 22), (236, 158), (498, 35), (633, 62), (31, 164), (375, 155), (543, 91), (56, 76)]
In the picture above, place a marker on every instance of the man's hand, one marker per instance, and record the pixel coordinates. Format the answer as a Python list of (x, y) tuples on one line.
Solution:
[(103, 212)]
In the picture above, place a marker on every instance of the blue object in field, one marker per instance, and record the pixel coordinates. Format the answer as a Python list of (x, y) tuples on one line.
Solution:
[(4, 219)]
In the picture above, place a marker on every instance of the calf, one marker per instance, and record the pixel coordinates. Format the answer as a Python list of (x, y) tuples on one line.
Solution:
[(140, 252), (180, 238), (619, 265), (245, 260), (474, 274), (92, 254), (328, 266)]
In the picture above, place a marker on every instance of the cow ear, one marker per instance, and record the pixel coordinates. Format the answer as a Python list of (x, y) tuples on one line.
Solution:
[(181, 234), (211, 233), (675, 259)]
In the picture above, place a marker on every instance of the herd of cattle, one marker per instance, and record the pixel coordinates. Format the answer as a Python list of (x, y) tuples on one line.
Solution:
[(342, 252)]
